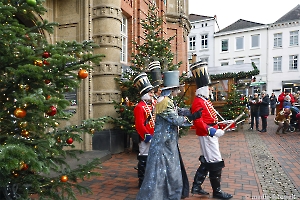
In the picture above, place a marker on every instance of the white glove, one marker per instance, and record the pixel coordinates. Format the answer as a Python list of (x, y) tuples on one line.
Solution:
[(219, 133)]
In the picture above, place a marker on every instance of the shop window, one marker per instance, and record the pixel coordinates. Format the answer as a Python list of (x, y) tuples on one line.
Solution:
[(220, 91)]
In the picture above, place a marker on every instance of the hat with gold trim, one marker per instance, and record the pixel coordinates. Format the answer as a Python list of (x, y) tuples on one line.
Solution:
[(200, 73), (142, 83)]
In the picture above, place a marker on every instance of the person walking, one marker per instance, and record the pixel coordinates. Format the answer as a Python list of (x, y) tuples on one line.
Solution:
[(264, 102), (254, 111), (273, 102), (164, 171), (144, 121), (208, 134)]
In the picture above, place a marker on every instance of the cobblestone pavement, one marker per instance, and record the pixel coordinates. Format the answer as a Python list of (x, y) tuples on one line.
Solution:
[(257, 166)]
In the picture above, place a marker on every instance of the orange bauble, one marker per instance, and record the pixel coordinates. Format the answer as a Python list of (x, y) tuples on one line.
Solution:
[(25, 133), (83, 74), (20, 113), (64, 178), (24, 167)]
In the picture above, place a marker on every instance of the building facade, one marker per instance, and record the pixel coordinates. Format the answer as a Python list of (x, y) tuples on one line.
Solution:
[(201, 38), (274, 48), (113, 25)]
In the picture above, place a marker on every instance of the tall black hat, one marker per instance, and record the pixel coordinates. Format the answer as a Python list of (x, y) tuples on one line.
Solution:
[(155, 73), (200, 73), (142, 83)]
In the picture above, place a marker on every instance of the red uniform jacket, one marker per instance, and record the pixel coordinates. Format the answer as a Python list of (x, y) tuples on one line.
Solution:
[(209, 116), (281, 99), (144, 119)]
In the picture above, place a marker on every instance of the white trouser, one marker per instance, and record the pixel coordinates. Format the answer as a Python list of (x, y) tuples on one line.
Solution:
[(144, 148), (209, 146)]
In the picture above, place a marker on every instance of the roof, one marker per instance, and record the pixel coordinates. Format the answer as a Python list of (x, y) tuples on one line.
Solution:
[(195, 17), (240, 24), (294, 14)]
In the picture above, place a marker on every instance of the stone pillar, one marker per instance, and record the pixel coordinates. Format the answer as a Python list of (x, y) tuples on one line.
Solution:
[(106, 21)]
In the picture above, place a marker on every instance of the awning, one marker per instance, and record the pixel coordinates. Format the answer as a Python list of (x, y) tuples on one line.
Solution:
[(257, 83)]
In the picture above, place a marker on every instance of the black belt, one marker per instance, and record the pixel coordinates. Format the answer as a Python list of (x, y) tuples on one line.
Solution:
[(212, 124)]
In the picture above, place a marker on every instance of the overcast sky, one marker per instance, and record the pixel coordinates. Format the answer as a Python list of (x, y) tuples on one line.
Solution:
[(229, 11)]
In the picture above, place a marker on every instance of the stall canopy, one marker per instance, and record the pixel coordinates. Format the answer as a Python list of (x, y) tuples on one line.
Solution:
[(246, 67), (238, 71)]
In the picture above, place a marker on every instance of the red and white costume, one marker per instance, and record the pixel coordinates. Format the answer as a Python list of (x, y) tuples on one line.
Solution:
[(209, 145), (144, 123)]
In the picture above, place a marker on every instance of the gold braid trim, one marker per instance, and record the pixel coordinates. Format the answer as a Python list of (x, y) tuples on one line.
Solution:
[(161, 106)]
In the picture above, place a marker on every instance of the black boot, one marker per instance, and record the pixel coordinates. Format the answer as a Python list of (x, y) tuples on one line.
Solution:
[(199, 178), (215, 181), (141, 168)]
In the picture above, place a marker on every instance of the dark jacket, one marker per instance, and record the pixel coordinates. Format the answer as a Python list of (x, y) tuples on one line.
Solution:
[(254, 105), (264, 106), (273, 101)]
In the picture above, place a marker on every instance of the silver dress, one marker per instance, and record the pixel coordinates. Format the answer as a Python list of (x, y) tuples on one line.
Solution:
[(165, 176)]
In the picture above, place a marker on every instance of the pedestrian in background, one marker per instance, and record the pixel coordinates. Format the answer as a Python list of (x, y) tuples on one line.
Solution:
[(273, 102), (282, 95), (254, 111), (264, 110), (287, 101)]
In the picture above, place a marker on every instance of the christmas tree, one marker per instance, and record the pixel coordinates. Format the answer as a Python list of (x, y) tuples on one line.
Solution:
[(35, 76), (234, 106), (152, 47)]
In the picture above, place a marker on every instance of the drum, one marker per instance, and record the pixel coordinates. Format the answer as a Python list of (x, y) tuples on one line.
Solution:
[(224, 124)]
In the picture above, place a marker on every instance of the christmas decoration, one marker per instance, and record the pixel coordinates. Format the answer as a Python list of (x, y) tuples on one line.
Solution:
[(69, 141), (20, 112), (38, 63), (52, 111), (83, 74), (64, 178), (46, 54), (32, 144), (31, 2), (24, 166), (22, 124), (25, 133), (46, 62), (92, 131), (235, 105)]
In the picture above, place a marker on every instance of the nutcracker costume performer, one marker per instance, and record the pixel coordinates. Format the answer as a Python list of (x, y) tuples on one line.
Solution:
[(144, 121), (208, 134), (156, 78), (165, 176)]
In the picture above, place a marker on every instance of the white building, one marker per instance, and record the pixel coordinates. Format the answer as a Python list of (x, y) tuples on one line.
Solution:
[(274, 48), (283, 49), (201, 38)]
